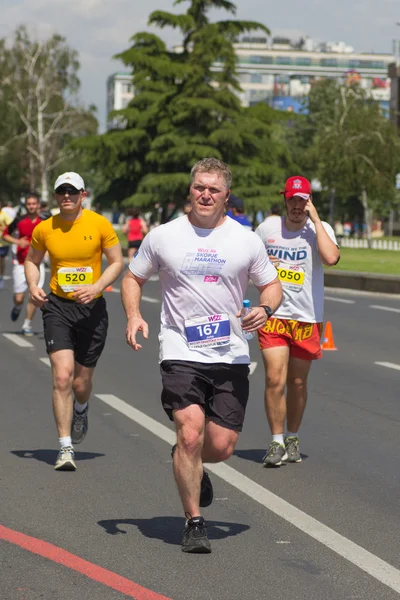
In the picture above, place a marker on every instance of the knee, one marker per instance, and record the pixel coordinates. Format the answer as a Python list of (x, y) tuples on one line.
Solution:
[(299, 383), (223, 447), (80, 385), (190, 440), (62, 381), (275, 381)]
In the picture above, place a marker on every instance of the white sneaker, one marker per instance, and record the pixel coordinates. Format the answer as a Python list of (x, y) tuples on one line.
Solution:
[(27, 332), (65, 459)]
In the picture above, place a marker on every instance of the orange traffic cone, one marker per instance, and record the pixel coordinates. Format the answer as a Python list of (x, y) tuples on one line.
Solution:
[(109, 288), (328, 342)]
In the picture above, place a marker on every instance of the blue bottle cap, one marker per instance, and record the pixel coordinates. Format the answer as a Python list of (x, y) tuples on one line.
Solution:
[(246, 303)]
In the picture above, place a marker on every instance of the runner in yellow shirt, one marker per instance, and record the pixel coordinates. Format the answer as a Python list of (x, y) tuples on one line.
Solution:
[(74, 313)]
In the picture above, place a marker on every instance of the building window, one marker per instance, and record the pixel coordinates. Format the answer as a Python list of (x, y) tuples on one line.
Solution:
[(354, 64), (328, 62), (255, 78), (283, 60), (126, 88), (303, 61)]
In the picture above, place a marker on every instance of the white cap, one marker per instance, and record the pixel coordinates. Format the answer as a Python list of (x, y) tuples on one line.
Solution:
[(72, 178)]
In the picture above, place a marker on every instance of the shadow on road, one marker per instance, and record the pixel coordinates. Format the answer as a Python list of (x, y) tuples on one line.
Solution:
[(169, 529), (49, 456), (256, 454)]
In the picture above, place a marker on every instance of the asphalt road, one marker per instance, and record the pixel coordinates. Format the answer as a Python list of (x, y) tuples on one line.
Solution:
[(325, 528)]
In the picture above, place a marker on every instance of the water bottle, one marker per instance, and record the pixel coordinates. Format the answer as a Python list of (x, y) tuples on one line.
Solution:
[(245, 311)]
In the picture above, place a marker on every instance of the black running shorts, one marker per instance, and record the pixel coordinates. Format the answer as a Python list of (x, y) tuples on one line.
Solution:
[(82, 328), (222, 390)]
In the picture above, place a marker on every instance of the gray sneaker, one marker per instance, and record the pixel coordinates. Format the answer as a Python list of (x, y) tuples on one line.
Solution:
[(275, 455), (293, 449), (65, 459), (79, 426)]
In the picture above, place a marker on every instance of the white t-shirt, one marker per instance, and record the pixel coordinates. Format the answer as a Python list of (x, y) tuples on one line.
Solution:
[(204, 274), (300, 270)]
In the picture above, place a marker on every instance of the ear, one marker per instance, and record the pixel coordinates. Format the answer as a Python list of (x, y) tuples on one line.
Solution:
[(85, 194)]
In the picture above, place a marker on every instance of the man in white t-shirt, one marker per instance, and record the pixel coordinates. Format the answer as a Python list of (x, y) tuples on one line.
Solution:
[(205, 261), (299, 244)]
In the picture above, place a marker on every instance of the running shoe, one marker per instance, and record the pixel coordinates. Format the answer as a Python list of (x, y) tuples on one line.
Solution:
[(65, 459), (293, 449), (79, 426), (15, 313), (27, 331), (275, 455), (206, 489), (195, 538)]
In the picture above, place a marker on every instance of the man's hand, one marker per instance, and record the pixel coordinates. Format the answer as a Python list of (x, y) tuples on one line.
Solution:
[(311, 211), (86, 293), (254, 320), (134, 325), (24, 242), (274, 260), (38, 296)]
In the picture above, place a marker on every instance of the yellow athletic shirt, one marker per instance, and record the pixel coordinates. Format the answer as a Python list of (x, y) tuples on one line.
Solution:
[(78, 244)]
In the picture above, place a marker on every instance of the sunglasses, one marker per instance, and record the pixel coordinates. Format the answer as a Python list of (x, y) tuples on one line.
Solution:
[(71, 191)]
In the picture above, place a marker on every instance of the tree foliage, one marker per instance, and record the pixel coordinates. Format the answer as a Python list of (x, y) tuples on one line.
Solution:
[(185, 109), (39, 85)]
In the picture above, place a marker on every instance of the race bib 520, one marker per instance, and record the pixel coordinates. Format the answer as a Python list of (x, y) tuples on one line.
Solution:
[(70, 278)]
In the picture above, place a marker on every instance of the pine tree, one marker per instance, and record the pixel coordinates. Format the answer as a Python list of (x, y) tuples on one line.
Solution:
[(186, 109)]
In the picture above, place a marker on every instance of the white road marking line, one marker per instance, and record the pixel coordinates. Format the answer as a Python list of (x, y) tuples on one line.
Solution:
[(342, 300), (45, 361), (252, 367), (389, 365), (368, 562), (18, 340), (388, 308), (115, 290), (148, 299)]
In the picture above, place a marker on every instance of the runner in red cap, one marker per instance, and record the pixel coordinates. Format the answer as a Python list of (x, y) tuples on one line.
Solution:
[(299, 244)]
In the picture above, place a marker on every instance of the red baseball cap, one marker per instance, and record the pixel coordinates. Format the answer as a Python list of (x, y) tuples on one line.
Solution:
[(297, 186)]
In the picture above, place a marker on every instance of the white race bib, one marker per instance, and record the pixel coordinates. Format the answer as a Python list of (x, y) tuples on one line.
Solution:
[(211, 331)]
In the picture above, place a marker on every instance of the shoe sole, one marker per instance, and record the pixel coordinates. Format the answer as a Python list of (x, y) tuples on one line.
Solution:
[(78, 440), (299, 460), (67, 466), (278, 464), (196, 549)]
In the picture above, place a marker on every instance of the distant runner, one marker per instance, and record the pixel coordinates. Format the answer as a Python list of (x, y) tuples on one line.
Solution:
[(299, 244)]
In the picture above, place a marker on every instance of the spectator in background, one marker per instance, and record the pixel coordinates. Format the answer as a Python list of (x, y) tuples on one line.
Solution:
[(236, 211), (187, 207), (5, 220), (10, 210), (339, 231), (135, 229), (44, 212)]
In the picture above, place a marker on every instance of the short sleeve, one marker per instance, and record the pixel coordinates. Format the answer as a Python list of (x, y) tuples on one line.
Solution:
[(145, 262), (262, 272), (330, 232), (108, 236), (37, 241)]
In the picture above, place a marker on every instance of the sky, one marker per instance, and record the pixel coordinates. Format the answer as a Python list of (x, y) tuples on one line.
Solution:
[(99, 29)]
